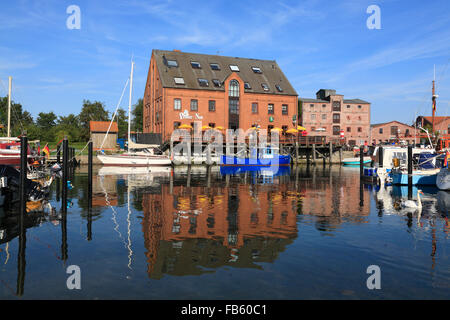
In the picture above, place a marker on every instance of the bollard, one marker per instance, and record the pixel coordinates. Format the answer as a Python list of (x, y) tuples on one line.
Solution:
[(58, 154), (314, 153)]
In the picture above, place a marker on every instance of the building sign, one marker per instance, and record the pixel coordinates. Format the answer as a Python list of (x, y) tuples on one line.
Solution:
[(342, 133), (185, 115), (270, 119)]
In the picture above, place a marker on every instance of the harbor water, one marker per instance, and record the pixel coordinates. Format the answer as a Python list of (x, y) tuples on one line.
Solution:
[(206, 233)]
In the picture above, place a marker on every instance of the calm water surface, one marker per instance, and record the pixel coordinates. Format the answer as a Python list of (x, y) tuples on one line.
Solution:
[(304, 233)]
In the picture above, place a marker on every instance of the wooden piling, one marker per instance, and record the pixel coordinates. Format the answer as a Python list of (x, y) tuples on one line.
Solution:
[(410, 171), (361, 161), (89, 216), (331, 153), (314, 153), (23, 176)]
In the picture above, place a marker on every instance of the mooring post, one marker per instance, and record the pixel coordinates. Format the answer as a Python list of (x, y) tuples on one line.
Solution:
[(380, 157), (189, 150), (296, 152), (314, 153), (65, 173), (89, 217), (23, 207), (340, 154), (64, 199), (23, 176), (410, 171), (361, 161), (58, 154), (331, 152)]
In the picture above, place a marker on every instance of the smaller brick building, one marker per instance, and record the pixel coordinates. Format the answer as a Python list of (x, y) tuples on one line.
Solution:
[(441, 124), (392, 131), (98, 131), (330, 115)]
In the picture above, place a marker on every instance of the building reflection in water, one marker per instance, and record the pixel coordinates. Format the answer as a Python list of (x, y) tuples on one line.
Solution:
[(243, 218)]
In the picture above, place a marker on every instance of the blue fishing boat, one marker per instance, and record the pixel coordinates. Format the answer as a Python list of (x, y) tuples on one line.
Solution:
[(268, 156), (419, 177)]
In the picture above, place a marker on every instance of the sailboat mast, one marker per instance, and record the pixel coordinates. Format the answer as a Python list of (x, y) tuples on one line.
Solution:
[(9, 107), (129, 104), (433, 99)]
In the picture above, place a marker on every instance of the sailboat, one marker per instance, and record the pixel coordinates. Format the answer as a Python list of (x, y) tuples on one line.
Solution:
[(138, 155)]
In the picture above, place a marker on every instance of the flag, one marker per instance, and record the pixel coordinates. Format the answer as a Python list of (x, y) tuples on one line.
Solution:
[(46, 151)]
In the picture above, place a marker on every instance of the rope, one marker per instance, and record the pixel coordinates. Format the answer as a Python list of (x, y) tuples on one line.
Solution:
[(115, 112)]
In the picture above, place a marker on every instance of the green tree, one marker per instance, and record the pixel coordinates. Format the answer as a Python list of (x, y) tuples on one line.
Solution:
[(122, 123), (19, 119), (68, 126), (46, 123), (138, 116), (91, 111)]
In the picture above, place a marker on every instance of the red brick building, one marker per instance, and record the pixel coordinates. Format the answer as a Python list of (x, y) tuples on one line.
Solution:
[(218, 91), (392, 131), (330, 113), (441, 124)]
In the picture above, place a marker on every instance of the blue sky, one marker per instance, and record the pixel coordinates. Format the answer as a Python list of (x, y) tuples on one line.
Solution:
[(318, 44)]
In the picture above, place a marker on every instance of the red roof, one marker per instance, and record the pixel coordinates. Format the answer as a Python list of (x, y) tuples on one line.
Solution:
[(436, 119), (102, 126)]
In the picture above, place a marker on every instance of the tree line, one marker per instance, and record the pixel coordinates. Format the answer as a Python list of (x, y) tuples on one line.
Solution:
[(49, 127)]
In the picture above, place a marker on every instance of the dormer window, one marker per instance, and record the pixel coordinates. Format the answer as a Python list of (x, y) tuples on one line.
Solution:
[(256, 69), (178, 80), (195, 65), (216, 83), (278, 88), (265, 86), (214, 66), (247, 85), (234, 68), (172, 63), (203, 82)]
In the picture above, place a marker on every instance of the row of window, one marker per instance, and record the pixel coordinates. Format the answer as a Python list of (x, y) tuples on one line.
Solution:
[(394, 131), (214, 66), (336, 106), (216, 82), (336, 117), (234, 106), (337, 129)]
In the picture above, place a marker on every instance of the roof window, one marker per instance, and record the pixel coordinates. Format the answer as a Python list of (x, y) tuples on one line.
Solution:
[(203, 82), (214, 66), (256, 69), (234, 68), (265, 86), (178, 80), (196, 65)]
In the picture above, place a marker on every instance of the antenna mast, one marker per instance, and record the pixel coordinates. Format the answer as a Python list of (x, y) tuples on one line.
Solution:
[(433, 99)]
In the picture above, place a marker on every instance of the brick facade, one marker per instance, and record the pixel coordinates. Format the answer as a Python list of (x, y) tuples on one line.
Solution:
[(166, 107), (330, 113), (392, 131)]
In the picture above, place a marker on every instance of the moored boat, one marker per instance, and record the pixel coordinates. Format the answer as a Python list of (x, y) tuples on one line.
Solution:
[(266, 156)]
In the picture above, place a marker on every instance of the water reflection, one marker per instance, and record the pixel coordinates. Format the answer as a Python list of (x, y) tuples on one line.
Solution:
[(198, 220)]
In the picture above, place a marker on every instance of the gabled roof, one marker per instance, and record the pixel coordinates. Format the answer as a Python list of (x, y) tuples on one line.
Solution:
[(271, 73), (436, 119), (384, 123), (313, 100), (102, 126), (355, 101)]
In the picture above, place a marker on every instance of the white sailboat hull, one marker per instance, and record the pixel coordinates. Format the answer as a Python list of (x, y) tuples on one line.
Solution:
[(127, 160)]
